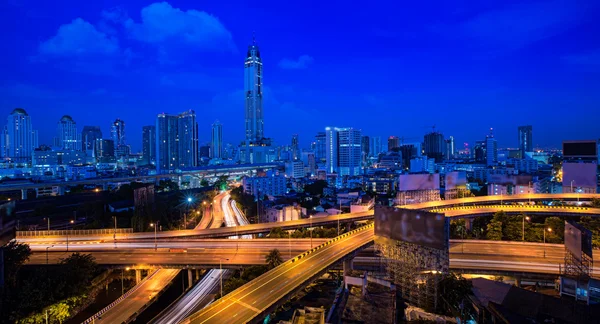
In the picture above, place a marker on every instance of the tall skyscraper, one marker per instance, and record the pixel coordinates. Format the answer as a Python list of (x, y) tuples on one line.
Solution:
[(216, 143), (295, 147), (320, 144), (365, 148), (434, 146), (149, 144), (525, 139), (375, 146), (253, 92), (67, 138), (117, 132), (393, 142), (89, 135), (343, 150), (104, 149), (176, 141), (450, 150), (491, 149), (18, 139)]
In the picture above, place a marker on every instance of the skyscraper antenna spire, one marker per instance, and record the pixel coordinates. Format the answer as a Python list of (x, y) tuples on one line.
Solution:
[(253, 38)]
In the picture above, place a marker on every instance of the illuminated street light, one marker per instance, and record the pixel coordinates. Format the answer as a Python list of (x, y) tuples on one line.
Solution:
[(549, 231), (189, 199), (155, 228), (525, 218)]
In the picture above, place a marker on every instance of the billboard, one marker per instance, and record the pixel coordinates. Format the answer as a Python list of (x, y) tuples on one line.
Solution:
[(456, 179), (580, 149), (580, 174), (412, 226), (408, 182), (578, 240)]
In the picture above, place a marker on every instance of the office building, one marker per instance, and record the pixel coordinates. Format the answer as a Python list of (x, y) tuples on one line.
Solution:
[(408, 152), (310, 163), (149, 144), (364, 148), (450, 150), (295, 147), (525, 139), (422, 164), (479, 151), (216, 141), (434, 146), (272, 184), (375, 146), (393, 143), (320, 151), (491, 147), (67, 138), (176, 141), (89, 135), (343, 150), (104, 148), (117, 132), (18, 139), (204, 151), (295, 169), (253, 92)]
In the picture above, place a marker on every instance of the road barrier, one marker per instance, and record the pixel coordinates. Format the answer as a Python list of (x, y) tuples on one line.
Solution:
[(104, 231)]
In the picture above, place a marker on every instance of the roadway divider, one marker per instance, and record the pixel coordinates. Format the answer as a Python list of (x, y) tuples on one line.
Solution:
[(118, 300), (104, 231), (337, 238)]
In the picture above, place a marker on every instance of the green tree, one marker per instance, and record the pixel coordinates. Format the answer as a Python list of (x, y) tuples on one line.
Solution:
[(273, 258), (277, 232), (557, 225), (81, 269), (315, 188), (15, 255), (203, 183), (455, 289), (494, 231), (512, 228), (595, 203)]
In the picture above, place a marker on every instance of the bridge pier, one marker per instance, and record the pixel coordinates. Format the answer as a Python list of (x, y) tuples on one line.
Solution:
[(347, 266), (197, 274), (23, 194), (138, 276), (61, 190), (190, 281)]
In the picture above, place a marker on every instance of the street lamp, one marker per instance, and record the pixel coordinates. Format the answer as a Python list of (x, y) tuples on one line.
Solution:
[(525, 218), (155, 227), (529, 191), (47, 253), (549, 230), (115, 233), (221, 273), (310, 217), (122, 286), (71, 222)]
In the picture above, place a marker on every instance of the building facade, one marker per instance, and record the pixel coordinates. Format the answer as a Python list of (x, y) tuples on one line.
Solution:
[(176, 141), (67, 137), (393, 142), (343, 151), (375, 146), (434, 146), (320, 146), (18, 139), (525, 139), (253, 92), (89, 135), (117, 132), (491, 147), (149, 144), (272, 184), (216, 141)]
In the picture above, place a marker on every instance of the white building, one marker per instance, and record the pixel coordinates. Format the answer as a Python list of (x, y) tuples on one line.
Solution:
[(343, 151), (282, 213), (67, 137), (295, 169), (422, 164), (18, 139)]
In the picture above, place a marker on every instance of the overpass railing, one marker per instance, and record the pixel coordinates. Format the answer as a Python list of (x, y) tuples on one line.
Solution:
[(104, 231)]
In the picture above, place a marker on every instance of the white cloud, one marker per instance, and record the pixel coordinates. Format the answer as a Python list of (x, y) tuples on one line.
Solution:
[(162, 23), (79, 38), (301, 63)]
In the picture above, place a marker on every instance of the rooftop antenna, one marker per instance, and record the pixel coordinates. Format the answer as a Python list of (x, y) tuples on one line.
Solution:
[(253, 38)]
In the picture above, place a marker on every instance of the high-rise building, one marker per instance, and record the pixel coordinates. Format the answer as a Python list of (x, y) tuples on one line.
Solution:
[(216, 141), (450, 150), (253, 93), (525, 139), (295, 148), (434, 146), (320, 144), (176, 141), (393, 142), (117, 132), (67, 138), (149, 144), (104, 148), (365, 146), (491, 149), (18, 139), (479, 151), (343, 150), (88, 136), (375, 146)]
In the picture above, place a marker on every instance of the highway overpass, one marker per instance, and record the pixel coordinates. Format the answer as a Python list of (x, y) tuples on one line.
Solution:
[(488, 210)]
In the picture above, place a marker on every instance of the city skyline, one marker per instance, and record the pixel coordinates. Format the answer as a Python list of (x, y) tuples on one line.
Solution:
[(134, 70)]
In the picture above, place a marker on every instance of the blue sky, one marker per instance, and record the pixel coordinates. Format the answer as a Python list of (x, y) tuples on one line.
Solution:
[(387, 67)]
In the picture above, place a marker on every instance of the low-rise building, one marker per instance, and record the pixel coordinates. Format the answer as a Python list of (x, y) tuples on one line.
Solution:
[(282, 213), (272, 184)]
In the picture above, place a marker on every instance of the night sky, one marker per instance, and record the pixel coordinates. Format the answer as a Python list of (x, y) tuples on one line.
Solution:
[(387, 67)]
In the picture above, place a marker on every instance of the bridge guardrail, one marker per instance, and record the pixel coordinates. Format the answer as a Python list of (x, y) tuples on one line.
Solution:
[(104, 231)]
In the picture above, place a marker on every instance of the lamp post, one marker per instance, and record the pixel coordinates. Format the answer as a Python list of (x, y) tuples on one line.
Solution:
[(51, 246), (524, 219), (549, 230), (71, 222), (310, 217), (529, 191), (115, 233), (155, 228), (48, 224), (290, 243), (221, 273)]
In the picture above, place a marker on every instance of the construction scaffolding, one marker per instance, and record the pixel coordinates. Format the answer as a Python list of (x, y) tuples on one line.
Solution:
[(415, 270)]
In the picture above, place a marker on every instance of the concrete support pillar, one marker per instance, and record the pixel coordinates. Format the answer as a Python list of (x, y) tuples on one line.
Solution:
[(197, 274), (347, 267), (138, 276), (518, 281), (23, 194), (348, 227), (61, 190), (364, 286), (190, 279)]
